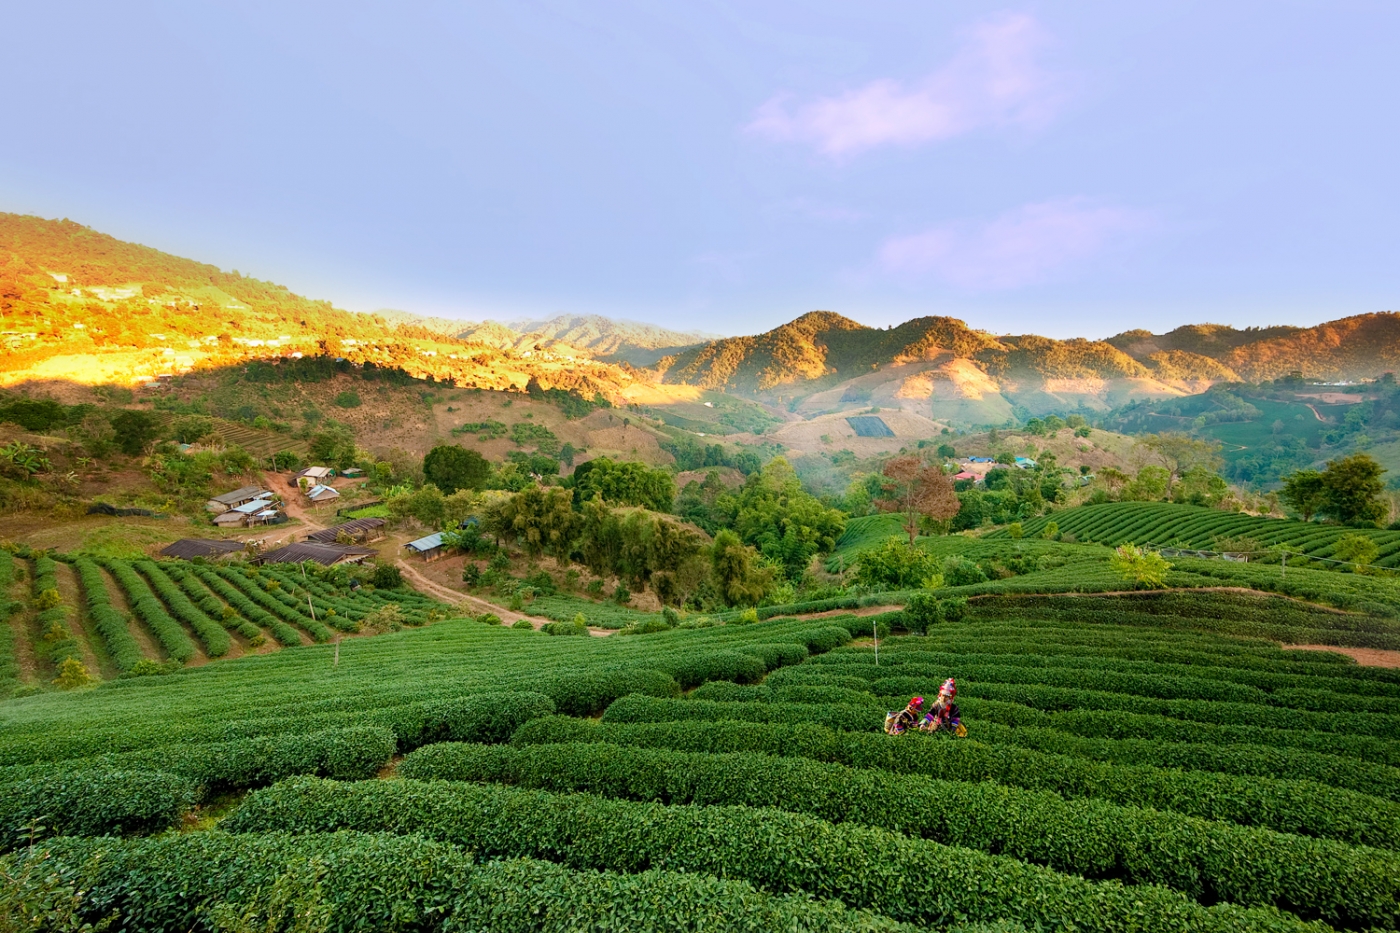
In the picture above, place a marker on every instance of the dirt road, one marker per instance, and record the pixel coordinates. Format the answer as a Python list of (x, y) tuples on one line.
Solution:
[(421, 583)]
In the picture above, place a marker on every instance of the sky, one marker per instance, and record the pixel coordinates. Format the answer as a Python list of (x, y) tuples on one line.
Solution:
[(1062, 169)]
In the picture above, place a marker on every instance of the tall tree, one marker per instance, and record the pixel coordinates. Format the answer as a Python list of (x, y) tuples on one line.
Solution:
[(451, 468), (134, 430), (1305, 492), (737, 573), (1353, 488), (917, 490)]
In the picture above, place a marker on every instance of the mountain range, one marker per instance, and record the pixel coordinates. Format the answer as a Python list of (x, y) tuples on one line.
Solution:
[(73, 297), (939, 367)]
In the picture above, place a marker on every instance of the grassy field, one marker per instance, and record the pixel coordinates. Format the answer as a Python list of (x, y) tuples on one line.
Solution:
[(1118, 775)]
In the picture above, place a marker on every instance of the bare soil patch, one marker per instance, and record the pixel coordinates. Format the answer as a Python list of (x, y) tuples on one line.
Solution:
[(1367, 657)]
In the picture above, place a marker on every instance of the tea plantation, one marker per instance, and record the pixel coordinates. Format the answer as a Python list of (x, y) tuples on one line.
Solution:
[(1124, 771), (1164, 524)]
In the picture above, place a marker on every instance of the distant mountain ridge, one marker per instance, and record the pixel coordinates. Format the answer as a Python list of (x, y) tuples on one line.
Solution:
[(822, 360)]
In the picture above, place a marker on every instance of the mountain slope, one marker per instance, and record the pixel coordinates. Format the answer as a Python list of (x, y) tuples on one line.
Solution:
[(1359, 347)]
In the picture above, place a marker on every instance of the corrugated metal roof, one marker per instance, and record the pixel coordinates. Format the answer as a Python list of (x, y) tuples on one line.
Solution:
[(426, 543), (319, 553), (354, 527), (317, 492), (239, 495), (188, 548)]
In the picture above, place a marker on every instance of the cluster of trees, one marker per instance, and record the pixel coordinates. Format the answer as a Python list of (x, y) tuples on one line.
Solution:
[(770, 511), (1349, 491)]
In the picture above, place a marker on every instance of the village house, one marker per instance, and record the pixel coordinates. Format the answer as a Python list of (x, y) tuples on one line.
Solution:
[(360, 531), (236, 498), (429, 548)]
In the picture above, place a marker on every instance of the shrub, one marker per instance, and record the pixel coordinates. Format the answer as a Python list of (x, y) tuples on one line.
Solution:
[(959, 571), (734, 666), (73, 673), (1347, 886), (386, 577), (92, 803), (922, 611), (777, 655), (1140, 566), (489, 717), (337, 882), (522, 624), (822, 640), (490, 618)]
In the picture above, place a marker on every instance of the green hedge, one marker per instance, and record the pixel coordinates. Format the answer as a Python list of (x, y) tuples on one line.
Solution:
[(56, 642), (284, 633), (1112, 724), (216, 640), (1349, 886), (735, 666), (655, 709), (167, 631), (912, 880), (401, 884), (488, 717), (110, 624), (778, 655), (354, 753), (1286, 806), (92, 803)]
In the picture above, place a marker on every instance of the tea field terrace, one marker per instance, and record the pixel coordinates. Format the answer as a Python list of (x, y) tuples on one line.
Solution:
[(1116, 777)]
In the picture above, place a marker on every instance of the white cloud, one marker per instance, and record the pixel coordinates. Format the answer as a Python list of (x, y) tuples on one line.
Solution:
[(993, 80), (1020, 247)]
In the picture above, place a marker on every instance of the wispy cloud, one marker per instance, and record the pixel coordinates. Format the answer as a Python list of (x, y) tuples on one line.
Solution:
[(1020, 247), (993, 80)]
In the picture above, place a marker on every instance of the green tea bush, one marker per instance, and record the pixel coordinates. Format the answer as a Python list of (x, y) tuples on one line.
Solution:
[(149, 609), (1301, 807), (736, 666), (353, 753), (92, 803), (490, 717), (913, 880), (404, 884), (1347, 886), (777, 655), (820, 640)]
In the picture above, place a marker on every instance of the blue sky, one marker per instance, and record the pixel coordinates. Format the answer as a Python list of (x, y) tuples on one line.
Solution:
[(1064, 169)]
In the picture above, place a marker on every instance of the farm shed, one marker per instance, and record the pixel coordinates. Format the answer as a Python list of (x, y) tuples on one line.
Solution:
[(361, 530), (966, 475), (327, 554), (428, 548), (316, 474), (236, 498), (322, 494), (190, 548)]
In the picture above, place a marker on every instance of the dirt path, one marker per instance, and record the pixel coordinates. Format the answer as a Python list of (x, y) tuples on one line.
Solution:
[(476, 604), (1315, 412), (294, 506), (149, 646), (1367, 657), (68, 588)]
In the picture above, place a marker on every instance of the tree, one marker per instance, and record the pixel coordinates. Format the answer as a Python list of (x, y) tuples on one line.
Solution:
[(1305, 492), (899, 566), (1145, 568), (542, 519), (386, 577), (133, 430), (738, 576), (786, 523), (947, 451), (1361, 550), (1181, 452), (191, 429), (1352, 490), (918, 490), (451, 468), (628, 483), (334, 446)]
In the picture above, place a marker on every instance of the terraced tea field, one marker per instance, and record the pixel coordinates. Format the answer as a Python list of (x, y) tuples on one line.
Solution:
[(1166, 524), (1120, 774), (121, 616)]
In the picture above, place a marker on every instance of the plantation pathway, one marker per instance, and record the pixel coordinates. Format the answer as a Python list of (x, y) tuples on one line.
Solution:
[(1167, 589), (449, 595), (1315, 412), (77, 620), (149, 646), (1367, 657)]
